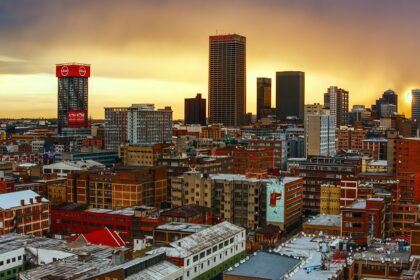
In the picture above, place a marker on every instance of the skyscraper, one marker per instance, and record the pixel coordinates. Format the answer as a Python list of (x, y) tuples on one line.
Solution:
[(290, 94), (72, 95), (339, 105), (195, 110), (263, 97), (227, 79), (415, 104), (115, 127)]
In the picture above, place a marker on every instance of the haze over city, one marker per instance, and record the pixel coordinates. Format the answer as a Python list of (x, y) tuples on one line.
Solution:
[(157, 51)]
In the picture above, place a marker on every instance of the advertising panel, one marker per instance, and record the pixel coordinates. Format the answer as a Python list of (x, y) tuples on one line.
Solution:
[(76, 118), (275, 203), (72, 70)]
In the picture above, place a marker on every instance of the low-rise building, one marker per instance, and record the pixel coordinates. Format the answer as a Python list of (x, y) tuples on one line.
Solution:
[(323, 223), (24, 212), (364, 220), (64, 167), (209, 252)]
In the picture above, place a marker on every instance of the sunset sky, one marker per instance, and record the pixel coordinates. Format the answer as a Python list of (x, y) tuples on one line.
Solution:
[(157, 51)]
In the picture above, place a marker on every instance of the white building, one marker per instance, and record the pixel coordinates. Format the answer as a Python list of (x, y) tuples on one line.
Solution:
[(320, 135), (216, 247), (145, 125)]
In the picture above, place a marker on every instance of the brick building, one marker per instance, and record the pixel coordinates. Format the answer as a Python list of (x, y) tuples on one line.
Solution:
[(376, 148), (317, 171), (24, 212), (364, 219), (349, 138), (142, 155), (118, 188), (279, 147), (68, 219), (246, 159)]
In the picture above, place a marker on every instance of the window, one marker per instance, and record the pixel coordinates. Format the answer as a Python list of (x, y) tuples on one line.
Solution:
[(202, 255), (195, 258), (8, 261), (195, 269), (208, 252), (188, 262), (19, 258)]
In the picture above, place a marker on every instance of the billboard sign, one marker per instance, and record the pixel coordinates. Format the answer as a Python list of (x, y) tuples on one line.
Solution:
[(275, 203), (76, 118), (72, 70)]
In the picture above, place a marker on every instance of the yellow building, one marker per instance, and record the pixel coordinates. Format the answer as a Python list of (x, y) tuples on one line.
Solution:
[(330, 199), (136, 155)]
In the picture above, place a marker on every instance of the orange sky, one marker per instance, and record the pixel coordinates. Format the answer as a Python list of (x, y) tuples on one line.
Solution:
[(157, 51)]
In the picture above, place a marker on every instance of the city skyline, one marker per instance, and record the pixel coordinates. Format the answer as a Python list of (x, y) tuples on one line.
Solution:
[(141, 64)]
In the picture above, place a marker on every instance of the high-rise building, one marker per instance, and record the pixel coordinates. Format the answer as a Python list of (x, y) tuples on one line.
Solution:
[(339, 105), (145, 125), (227, 79), (389, 99), (115, 127), (263, 97), (415, 104), (314, 109), (290, 94), (72, 95), (195, 110), (320, 135)]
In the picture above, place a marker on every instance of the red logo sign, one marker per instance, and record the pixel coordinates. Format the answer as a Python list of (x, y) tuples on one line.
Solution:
[(82, 70), (64, 70), (76, 118)]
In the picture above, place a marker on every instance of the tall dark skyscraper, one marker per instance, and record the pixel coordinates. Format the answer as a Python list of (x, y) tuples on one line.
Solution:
[(227, 79), (263, 97), (72, 95), (290, 94), (195, 110), (415, 104)]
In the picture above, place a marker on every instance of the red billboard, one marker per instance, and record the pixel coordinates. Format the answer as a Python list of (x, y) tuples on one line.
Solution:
[(76, 118), (72, 70)]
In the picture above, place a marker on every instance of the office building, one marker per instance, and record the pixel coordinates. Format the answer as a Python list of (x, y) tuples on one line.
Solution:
[(415, 104), (227, 79), (338, 104), (195, 110), (290, 94), (263, 97), (142, 155), (72, 111), (320, 135), (145, 125), (115, 127)]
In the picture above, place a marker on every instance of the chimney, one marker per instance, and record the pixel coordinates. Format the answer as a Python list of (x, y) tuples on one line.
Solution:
[(31, 200), (22, 202), (118, 257), (38, 199), (83, 256)]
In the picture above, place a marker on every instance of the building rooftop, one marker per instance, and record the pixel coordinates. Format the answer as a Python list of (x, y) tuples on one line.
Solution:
[(240, 177), (264, 265), (158, 271), (74, 165), (379, 163), (325, 220), (307, 249), (184, 227), (13, 199), (186, 211), (197, 242)]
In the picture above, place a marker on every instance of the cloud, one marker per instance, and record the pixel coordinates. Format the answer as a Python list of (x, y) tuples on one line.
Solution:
[(363, 46)]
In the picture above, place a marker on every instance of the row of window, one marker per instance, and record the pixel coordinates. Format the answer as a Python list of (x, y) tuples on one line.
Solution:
[(12, 260)]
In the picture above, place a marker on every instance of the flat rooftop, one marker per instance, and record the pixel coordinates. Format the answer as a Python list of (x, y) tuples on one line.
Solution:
[(264, 265), (307, 248), (183, 227), (325, 220)]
